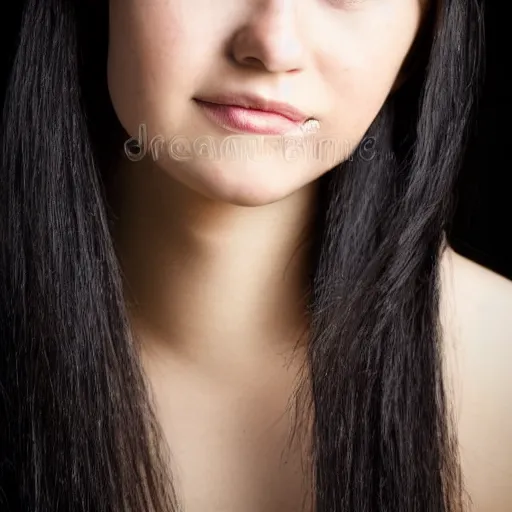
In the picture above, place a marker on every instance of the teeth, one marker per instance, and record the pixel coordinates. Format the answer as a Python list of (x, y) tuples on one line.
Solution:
[(310, 126)]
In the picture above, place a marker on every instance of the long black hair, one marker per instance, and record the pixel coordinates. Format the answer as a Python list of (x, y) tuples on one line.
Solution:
[(78, 430)]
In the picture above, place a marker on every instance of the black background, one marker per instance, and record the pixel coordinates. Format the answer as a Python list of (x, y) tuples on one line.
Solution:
[(482, 227)]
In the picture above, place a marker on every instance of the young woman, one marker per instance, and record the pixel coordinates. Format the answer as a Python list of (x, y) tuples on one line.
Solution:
[(226, 285)]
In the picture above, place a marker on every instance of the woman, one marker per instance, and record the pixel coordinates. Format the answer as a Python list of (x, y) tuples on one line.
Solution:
[(226, 283)]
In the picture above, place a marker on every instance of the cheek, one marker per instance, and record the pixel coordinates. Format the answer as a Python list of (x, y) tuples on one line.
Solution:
[(147, 60), (361, 68), (359, 92)]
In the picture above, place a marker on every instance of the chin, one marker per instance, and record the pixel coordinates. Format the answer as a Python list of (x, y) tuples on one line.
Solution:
[(245, 183)]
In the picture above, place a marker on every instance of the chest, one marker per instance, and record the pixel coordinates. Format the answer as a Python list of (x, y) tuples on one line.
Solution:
[(230, 438), (231, 448)]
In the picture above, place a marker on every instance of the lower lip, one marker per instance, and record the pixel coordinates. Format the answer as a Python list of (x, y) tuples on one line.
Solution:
[(245, 120)]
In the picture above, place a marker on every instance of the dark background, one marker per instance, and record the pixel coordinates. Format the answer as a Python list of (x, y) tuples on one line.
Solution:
[(481, 229)]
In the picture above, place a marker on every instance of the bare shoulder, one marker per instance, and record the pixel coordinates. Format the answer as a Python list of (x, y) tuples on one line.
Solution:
[(476, 313)]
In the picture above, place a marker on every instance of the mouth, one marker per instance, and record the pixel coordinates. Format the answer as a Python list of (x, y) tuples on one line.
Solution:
[(251, 114)]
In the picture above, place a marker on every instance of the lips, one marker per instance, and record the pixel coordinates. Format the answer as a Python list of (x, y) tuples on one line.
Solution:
[(251, 114)]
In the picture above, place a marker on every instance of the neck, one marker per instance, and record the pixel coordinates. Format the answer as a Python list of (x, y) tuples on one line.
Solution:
[(210, 280)]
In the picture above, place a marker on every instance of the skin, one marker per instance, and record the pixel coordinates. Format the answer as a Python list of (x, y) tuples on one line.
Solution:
[(476, 315), (212, 251), (164, 53)]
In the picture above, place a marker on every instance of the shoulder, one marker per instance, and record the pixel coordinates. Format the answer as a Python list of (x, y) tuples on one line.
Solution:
[(476, 315), (477, 289)]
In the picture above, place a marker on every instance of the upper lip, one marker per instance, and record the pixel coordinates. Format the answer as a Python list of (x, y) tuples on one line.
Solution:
[(255, 102)]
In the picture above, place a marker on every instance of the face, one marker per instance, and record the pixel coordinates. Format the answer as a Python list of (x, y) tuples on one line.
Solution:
[(248, 101)]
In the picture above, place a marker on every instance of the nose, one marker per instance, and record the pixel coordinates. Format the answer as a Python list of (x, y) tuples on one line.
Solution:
[(270, 39)]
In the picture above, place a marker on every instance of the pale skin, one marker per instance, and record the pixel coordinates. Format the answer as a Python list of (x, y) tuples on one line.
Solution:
[(211, 254)]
